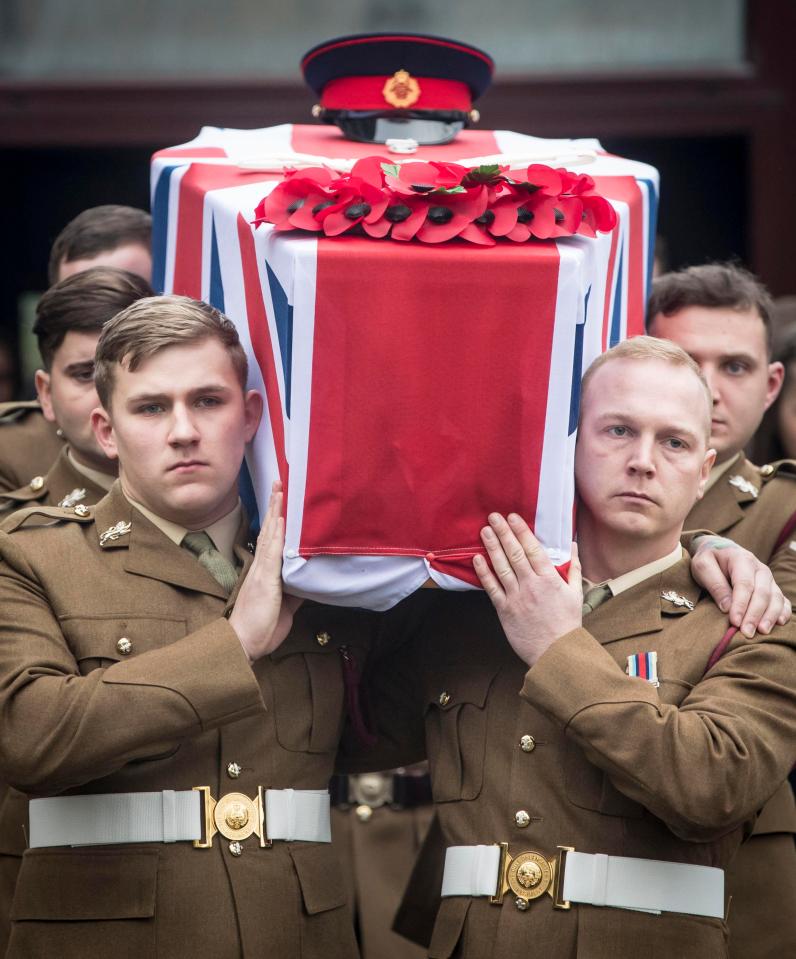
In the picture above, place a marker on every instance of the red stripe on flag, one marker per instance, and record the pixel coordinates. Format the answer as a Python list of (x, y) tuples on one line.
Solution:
[(260, 335), (197, 181), (429, 395), (326, 140), (626, 189), (609, 287), (190, 152)]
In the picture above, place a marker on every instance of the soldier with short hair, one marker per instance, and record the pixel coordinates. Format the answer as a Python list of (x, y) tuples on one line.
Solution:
[(720, 314), (108, 235)]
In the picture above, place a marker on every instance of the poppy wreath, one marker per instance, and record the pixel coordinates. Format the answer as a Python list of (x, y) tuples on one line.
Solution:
[(435, 202)]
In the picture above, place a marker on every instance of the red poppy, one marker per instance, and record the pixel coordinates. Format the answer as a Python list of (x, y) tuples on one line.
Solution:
[(355, 201), (450, 213), (409, 179), (401, 218), (598, 214)]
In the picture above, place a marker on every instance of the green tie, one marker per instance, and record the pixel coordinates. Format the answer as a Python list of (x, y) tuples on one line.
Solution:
[(594, 597), (203, 548)]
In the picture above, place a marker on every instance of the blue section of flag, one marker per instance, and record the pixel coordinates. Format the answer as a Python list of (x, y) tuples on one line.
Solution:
[(283, 319), (652, 227), (616, 317), (216, 284), (577, 367), (160, 228)]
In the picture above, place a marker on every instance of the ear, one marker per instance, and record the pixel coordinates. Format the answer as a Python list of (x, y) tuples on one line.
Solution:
[(253, 412), (103, 430), (704, 473), (776, 377), (42, 380)]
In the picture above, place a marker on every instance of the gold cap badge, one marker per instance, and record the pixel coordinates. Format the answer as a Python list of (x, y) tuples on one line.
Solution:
[(401, 90)]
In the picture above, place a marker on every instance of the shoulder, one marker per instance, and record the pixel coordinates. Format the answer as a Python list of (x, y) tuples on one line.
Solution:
[(783, 470), (47, 517), (18, 411)]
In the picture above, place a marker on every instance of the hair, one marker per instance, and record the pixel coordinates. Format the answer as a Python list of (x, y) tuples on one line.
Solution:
[(99, 230), (650, 348), (84, 303), (154, 324), (714, 286)]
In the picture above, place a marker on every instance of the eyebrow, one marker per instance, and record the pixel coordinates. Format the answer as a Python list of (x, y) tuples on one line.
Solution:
[(79, 367), (198, 391)]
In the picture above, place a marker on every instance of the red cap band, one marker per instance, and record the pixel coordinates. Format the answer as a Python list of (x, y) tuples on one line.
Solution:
[(367, 93)]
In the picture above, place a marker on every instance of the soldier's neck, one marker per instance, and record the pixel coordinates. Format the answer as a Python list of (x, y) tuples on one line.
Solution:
[(606, 554)]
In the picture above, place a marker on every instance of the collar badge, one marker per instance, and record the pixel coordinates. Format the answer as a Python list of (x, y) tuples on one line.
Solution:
[(743, 484), (114, 532), (671, 597), (71, 498)]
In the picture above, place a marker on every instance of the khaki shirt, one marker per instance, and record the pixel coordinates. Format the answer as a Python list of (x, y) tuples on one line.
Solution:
[(28, 444), (615, 765), (83, 714)]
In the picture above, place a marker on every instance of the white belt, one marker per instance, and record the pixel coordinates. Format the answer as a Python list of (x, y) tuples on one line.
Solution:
[(647, 885), (184, 815)]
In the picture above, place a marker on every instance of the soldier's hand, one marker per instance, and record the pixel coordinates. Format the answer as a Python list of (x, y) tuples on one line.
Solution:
[(534, 604), (740, 585), (263, 614)]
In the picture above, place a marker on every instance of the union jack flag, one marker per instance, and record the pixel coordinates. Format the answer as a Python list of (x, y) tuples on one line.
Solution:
[(410, 389)]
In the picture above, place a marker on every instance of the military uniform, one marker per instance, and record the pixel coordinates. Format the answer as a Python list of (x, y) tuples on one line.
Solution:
[(754, 506), (574, 752), (66, 484), (29, 443), (121, 675)]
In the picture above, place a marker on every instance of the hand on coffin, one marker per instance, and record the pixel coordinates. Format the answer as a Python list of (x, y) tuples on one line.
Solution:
[(534, 604), (263, 615), (740, 583)]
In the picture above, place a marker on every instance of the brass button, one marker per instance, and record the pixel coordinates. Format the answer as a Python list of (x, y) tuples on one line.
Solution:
[(527, 744), (444, 698), (521, 904), (521, 818), (233, 770), (323, 638), (364, 813), (235, 848), (766, 470), (36, 483), (81, 510), (124, 646)]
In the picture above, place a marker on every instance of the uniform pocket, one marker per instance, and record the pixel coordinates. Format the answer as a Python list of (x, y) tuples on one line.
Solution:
[(456, 718), (588, 787), (448, 927), (326, 928), (97, 641), (77, 903)]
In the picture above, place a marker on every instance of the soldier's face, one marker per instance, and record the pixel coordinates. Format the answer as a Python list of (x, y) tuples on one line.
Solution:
[(133, 257), (68, 396), (731, 350), (641, 459), (178, 425)]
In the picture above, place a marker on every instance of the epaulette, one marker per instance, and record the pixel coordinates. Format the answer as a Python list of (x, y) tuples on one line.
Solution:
[(786, 468), (15, 411), (35, 516), (36, 489)]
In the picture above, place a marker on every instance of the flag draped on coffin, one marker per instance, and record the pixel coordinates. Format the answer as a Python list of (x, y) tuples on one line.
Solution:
[(410, 388)]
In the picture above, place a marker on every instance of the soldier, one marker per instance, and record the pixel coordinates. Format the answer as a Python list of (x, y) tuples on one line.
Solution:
[(721, 316), (117, 236), (108, 235), (594, 758), (69, 319), (177, 734)]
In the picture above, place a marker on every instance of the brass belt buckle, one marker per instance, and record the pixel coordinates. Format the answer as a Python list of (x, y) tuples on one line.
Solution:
[(234, 815), (530, 875)]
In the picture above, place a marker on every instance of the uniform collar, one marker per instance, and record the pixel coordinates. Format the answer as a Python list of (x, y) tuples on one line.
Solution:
[(635, 576), (223, 532), (718, 471), (643, 607), (726, 502), (103, 480)]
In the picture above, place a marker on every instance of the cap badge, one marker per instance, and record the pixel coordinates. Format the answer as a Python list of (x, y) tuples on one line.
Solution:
[(71, 498), (676, 599), (401, 90), (114, 532), (743, 484)]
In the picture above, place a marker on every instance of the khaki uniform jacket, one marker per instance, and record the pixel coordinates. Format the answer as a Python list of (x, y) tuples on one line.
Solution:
[(753, 505), (28, 444), (62, 485), (79, 716), (617, 766)]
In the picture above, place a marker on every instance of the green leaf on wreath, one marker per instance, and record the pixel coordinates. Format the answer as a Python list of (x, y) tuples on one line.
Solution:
[(391, 169)]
